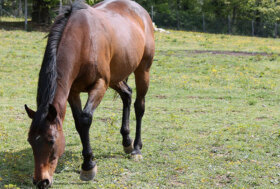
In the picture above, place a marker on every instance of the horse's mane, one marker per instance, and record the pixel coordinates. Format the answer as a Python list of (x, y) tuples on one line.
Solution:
[(48, 74)]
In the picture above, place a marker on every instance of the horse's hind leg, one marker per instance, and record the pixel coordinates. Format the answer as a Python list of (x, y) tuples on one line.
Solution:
[(142, 79), (125, 92), (83, 120)]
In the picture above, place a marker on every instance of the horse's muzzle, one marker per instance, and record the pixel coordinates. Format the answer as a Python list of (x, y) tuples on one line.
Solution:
[(43, 184)]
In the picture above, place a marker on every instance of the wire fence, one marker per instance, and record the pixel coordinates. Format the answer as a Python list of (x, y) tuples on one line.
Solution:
[(17, 14), (14, 14), (209, 24)]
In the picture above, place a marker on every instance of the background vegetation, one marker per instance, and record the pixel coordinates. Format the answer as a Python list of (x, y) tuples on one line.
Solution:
[(245, 17)]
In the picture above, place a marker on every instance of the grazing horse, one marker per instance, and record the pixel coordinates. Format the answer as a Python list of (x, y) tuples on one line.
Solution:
[(89, 49)]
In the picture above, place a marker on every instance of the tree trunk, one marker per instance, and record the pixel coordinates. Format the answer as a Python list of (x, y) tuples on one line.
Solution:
[(40, 12), (234, 13)]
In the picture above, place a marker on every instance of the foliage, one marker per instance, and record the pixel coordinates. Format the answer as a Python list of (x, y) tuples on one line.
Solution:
[(187, 14), (92, 2)]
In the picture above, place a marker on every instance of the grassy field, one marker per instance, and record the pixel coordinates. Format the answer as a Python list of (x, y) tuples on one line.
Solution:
[(212, 120)]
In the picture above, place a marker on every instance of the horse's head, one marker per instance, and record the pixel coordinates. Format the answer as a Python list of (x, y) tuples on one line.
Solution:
[(47, 141)]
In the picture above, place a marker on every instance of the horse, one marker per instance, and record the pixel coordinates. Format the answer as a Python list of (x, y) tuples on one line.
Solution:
[(89, 49)]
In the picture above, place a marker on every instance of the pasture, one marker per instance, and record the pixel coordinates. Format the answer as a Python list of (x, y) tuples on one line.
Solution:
[(212, 117)]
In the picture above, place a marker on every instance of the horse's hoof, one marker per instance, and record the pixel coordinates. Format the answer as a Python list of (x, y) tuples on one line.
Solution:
[(129, 149), (137, 157), (88, 175)]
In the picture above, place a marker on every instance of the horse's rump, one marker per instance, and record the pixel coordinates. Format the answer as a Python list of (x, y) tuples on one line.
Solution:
[(110, 39)]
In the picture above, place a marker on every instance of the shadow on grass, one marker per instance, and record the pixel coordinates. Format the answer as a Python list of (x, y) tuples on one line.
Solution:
[(17, 167), (115, 155), (19, 25)]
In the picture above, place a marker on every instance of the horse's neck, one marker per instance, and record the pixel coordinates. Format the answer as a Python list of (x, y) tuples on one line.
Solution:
[(60, 100), (66, 74)]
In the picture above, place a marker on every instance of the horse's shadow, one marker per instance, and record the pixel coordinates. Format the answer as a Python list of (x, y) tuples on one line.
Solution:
[(19, 25), (17, 167)]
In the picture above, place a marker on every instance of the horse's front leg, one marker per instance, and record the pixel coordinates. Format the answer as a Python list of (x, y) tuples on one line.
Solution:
[(83, 120), (82, 123)]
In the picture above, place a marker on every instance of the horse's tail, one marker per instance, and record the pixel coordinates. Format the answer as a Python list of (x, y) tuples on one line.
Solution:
[(48, 74)]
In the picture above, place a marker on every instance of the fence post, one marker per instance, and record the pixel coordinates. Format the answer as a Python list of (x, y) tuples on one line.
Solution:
[(152, 12), (276, 30), (203, 23), (253, 29), (20, 9), (229, 25), (60, 6), (25, 15), (177, 15)]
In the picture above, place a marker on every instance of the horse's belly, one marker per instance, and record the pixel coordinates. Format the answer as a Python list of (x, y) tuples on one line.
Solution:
[(128, 48), (123, 65)]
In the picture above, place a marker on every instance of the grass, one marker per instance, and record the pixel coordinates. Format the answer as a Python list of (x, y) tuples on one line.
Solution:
[(212, 120)]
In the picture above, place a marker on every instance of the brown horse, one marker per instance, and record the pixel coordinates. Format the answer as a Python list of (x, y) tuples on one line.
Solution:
[(89, 49)]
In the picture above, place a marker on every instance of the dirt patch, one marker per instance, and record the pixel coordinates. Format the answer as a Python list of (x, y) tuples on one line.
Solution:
[(261, 118), (161, 96), (19, 25), (206, 97), (233, 53), (223, 180), (217, 52)]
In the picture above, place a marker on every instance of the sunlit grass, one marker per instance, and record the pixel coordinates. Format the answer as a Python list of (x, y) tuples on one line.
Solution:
[(212, 121), (179, 40), (13, 19)]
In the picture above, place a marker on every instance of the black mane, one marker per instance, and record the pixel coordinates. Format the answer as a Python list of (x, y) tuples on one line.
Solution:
[(48, 74)]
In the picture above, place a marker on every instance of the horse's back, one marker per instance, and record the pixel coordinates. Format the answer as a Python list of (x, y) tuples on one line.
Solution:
[(111, 40), (132, 14), (133, 36)]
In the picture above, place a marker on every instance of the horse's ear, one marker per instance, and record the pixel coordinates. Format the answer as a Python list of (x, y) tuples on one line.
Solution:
[(52, 113), (29, 112)]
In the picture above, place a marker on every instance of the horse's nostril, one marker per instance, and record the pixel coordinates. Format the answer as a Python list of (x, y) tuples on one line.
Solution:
[(43, 184), (46, 182)]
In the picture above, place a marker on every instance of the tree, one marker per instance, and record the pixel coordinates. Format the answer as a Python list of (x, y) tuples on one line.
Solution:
[(44, 10), (41, 11)]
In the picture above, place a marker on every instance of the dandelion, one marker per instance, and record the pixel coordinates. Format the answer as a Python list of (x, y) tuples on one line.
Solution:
[(214, 71)]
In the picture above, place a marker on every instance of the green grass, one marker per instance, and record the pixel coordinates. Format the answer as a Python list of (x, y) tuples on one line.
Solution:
[(212, 121)]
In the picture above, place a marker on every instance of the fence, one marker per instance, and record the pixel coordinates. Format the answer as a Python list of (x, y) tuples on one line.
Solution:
[(205, 23), (16, 14)]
